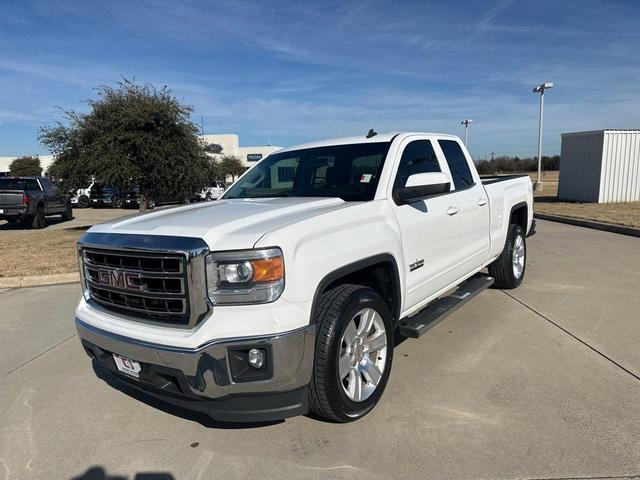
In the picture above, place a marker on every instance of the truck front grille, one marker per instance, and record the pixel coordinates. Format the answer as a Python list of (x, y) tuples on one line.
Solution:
[(148, 285)]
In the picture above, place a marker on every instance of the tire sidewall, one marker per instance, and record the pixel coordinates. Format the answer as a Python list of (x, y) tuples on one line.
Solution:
[(342, 405), (514, 232)]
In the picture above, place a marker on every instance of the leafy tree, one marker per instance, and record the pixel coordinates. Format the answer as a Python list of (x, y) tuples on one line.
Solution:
[(212, 148), (26, 166), (134, 135), (231, 165)]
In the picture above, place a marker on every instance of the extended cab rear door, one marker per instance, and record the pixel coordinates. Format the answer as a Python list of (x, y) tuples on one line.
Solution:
[(430, 233), (470, 202)]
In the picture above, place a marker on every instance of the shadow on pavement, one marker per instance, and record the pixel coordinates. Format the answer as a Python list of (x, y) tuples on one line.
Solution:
[(171, 409), (98, 473)]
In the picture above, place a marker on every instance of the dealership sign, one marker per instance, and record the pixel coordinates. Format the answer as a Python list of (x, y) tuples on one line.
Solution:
[(254, 157)]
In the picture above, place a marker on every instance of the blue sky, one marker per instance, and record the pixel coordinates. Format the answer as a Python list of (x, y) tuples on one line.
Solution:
[(289, 72)]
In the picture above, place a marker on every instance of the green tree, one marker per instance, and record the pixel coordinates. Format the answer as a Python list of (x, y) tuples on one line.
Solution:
[(26, 166), (134, 135), (230, 165)]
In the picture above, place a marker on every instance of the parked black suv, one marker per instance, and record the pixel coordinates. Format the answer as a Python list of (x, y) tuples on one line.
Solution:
[(30, 200), (104, 196)]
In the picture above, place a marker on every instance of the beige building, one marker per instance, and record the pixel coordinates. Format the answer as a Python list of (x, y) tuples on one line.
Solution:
[(45, 162), (231, 146)]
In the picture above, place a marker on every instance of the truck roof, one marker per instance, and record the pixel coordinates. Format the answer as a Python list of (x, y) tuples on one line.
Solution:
[(380, 137)]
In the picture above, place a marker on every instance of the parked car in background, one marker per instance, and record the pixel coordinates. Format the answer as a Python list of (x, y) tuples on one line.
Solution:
[(131, 199), (81, 197), (211, 193), (30, 200), (105, 196), (285, 295)]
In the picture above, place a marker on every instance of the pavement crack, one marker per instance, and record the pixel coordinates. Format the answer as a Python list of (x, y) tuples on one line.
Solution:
[(591, 347), (37, 356)]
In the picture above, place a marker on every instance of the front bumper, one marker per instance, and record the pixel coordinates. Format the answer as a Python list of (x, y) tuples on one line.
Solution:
[(203, 380)]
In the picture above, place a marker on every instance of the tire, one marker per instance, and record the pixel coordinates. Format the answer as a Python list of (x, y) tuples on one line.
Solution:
[(509, 268), (83, 201), (329, 391), (39, 220), (209, 197), (151, 205), (117, 202), (68, 213)]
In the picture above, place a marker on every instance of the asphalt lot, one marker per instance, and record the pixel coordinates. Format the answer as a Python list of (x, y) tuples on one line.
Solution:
[(536, 383)]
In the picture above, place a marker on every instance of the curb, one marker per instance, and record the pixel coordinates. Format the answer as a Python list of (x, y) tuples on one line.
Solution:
[(578, 222), (39, 280)]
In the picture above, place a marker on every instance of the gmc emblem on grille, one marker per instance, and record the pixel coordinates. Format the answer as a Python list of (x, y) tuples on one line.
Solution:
[(120, 279)]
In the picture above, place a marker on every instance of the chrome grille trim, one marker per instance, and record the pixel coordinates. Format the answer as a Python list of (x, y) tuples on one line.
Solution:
[(174, 297)]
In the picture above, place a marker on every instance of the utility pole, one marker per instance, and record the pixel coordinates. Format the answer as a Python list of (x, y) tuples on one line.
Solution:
[(466, 133), (537, 186)]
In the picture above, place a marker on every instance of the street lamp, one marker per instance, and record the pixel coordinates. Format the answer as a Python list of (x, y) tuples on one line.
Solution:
[(466, 135), (537, 186)]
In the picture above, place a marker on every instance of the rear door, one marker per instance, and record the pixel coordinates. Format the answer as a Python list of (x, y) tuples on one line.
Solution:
[(53, 201), (430, 234), (470, 199)]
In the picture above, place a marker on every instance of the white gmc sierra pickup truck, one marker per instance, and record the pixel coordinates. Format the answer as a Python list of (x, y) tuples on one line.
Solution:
[(284, 296)]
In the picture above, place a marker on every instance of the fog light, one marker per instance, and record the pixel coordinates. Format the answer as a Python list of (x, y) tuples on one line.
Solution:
[(256, 358)]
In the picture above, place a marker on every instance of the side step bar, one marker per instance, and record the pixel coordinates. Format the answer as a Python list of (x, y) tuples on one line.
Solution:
[(422, 321)]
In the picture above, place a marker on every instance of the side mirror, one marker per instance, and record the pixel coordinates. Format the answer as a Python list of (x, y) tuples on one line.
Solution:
[(422, 185)]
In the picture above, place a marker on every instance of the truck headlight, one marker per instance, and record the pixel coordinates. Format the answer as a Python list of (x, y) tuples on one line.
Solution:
[(245, 276)]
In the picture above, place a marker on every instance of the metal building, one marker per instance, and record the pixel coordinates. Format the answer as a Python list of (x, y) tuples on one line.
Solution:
[(600, 166)]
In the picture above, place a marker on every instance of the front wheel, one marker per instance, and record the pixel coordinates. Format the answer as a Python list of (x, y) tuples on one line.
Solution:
[(509, 268), (354, 352), (117, 202), (83, 201)]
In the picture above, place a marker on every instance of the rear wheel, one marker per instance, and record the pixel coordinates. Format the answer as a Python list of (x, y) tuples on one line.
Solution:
[(117, 202), (68, 212), (509, 268), (354, 352), (38, 220)]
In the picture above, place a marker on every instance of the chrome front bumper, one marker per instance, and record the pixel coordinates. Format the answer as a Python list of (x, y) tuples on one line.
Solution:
[(205, 372)]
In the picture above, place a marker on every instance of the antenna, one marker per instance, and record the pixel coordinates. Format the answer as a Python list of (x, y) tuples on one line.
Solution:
[(371, 133)]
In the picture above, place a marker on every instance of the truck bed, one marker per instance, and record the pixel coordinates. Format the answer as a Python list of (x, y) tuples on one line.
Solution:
[(500, 178)]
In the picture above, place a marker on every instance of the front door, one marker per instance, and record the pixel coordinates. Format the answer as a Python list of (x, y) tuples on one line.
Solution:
[(430, 230)]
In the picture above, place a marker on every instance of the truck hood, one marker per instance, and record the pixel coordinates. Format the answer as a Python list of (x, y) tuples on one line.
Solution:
[(223, 224)]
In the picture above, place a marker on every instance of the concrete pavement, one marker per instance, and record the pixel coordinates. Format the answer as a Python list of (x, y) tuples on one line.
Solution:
[(540, 382)]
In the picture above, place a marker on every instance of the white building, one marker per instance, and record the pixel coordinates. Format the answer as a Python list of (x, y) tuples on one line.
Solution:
[(600, 166), (45, 162), (231, 146), (228, 141)]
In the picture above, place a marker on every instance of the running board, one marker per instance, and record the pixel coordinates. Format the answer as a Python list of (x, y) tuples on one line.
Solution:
[(418, 325)]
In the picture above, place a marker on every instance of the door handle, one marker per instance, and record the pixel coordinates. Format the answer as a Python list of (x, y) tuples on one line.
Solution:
[(482, 202), (452, 210)]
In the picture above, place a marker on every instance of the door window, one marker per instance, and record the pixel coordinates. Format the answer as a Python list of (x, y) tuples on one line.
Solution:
[(458, 165), (418, 157)]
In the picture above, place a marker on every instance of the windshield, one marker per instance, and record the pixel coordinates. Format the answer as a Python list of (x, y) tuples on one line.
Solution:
[(349, 172), (24, 184)]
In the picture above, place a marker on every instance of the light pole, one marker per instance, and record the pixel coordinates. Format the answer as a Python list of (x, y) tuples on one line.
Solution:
[(466, 134), (537, 186)]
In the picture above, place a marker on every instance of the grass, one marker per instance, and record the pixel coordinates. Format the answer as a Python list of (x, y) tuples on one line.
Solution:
[(38, 253), (546, 201)]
